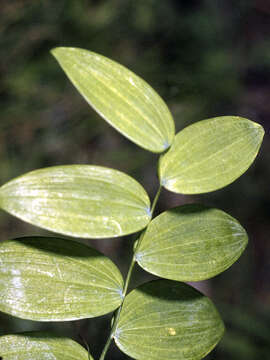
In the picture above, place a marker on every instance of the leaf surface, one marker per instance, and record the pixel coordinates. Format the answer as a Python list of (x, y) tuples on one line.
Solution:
[(210, 154), (78, 200), (40, 346), (122, 98), (50, 279), (168, 320), (191, 243)]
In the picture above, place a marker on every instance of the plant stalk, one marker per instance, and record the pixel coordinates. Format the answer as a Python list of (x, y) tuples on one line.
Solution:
[(127, 281), (153, 207)]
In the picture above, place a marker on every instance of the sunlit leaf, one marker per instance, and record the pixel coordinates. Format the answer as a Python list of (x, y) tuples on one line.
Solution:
[(191, 243), (168, 320), (78, 200), (40, 346), (50, 279), (122, 98), (210, 154)]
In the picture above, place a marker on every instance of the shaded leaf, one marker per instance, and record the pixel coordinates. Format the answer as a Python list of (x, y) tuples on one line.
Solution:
[(50, 279), (168, 320), (191, 243), (122, 98), (78, 200), (40, 346), (210, 154)]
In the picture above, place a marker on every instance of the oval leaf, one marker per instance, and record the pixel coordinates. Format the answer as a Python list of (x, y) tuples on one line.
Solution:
[(78, 200), (191, 243), (49, 279), (210, 154), (168, 320), (40, 346), (122, 98)]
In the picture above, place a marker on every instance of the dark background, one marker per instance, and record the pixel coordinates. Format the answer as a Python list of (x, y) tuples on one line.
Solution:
[(206, 59)]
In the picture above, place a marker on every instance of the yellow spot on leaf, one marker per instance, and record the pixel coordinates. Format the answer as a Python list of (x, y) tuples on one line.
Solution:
[(171, 331)]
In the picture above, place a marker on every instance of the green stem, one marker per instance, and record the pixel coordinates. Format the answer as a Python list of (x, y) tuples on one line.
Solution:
[(127, 281), (117, 313), (156, 200)]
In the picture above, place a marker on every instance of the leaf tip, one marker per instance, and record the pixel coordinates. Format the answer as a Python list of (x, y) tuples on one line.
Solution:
[(260, 130), (54, 51), (60, 51)]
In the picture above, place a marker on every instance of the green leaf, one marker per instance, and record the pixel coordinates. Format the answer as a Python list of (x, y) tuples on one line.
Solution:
[(210, 154), (191, 243), (40, 346), (168, 320), (122, 98), (49, 279), (78, 200)]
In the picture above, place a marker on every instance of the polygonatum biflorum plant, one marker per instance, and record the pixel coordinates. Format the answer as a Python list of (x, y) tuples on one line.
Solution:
[(56, 279)]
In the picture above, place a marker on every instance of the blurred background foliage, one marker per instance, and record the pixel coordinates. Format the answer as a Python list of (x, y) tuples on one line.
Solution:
[(205, 58)]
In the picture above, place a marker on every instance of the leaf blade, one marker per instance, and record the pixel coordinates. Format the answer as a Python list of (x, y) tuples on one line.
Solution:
[(78, 200), (122, 98), (40, 346), (49, 279), (210, 154), (191, 243), (168, 320)]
